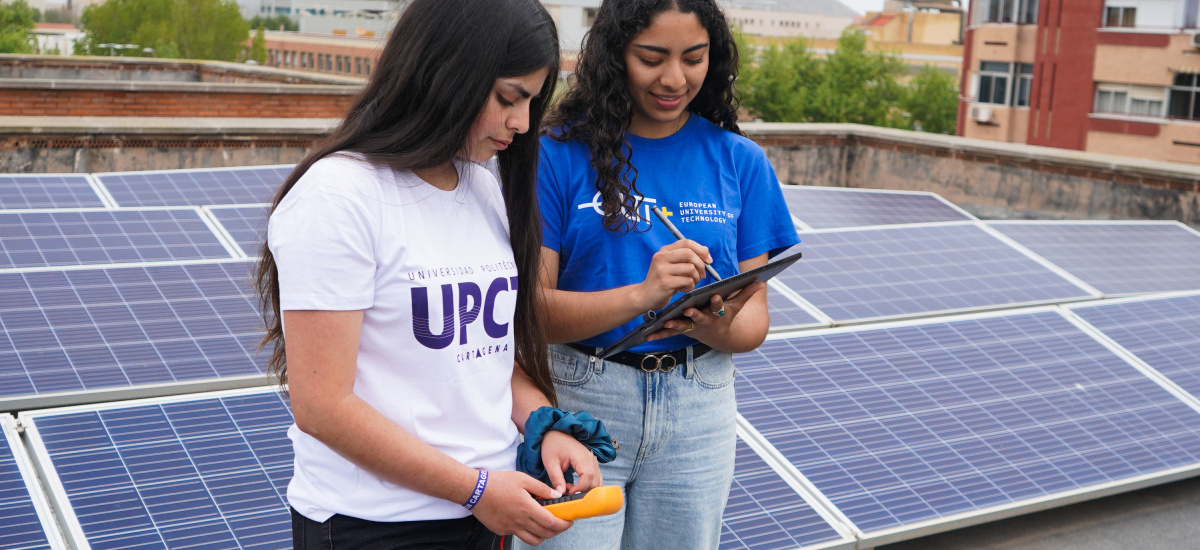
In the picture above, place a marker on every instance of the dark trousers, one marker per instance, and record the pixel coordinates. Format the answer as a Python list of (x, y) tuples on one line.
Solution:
[(346, 533)]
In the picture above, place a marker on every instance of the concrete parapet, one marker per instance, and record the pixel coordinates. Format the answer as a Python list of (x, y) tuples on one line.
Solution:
[(991, 179)]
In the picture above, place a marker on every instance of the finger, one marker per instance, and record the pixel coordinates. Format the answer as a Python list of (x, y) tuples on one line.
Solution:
[(539, 489), (529, 538), (555, 471), (746, 293)]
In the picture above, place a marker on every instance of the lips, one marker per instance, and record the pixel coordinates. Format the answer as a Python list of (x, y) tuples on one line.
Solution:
[(667, 102), (500, 145)]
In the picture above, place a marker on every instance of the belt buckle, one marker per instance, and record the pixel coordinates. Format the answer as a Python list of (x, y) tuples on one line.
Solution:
[(658, 362)]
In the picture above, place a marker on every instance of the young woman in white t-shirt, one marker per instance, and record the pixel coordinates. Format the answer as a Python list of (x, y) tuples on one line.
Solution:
[(398, 282)]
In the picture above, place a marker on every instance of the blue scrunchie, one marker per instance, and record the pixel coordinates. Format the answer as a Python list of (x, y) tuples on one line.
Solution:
[(581, 425)]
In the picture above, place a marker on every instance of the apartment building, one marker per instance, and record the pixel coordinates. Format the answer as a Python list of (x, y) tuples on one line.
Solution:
[(1118, 77)]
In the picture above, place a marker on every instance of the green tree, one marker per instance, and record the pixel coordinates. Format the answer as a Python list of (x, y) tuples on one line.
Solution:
[(258, 45), (777, 83), (932, 101), (17, 20), (192, 29), (274, 23), (860, 86)]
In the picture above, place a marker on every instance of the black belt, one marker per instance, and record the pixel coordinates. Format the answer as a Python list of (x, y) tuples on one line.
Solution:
[(649, 362)]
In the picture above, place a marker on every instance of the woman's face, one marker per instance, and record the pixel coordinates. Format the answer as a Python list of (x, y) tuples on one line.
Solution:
[(665, 67), (505, 115)]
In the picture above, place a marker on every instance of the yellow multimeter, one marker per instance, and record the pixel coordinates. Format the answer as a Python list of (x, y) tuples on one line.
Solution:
[(597, 501)]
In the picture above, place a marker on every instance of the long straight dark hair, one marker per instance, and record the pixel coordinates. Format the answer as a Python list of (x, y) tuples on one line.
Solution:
[(597, 108), (433, 78)]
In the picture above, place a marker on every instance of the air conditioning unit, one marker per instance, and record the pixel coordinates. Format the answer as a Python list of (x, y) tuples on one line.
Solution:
[(1195, 40), (981, 113)]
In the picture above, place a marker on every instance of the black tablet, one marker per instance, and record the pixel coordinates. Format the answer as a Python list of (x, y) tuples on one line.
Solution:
[(654, 320)]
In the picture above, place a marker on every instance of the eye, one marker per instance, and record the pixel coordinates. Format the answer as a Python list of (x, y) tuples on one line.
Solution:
[(503, 101), (650, 63), (695, 61)]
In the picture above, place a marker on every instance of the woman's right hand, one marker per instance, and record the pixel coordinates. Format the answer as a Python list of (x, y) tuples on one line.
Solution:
[(676, 267), (507, 507)]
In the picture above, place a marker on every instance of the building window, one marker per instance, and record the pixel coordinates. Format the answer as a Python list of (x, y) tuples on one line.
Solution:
[(1024, 78), (1185, 97), (1009, 11), (992, 86), (589, 17), (1119, 16), (1129, 99)]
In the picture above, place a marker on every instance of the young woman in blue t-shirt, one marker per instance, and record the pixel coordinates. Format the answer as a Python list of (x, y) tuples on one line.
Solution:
[(651, 121)]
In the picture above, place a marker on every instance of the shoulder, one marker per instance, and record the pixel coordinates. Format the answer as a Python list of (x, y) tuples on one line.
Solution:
[(347, 175), (734, 142)]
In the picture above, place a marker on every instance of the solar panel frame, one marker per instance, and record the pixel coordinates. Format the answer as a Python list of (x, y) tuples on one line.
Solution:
[(83, 191), (146, 453), (138, 324), (935, 208), (38, 504), (879, 536), (789, 311), (857, 285), (121, 235), (1140, 270), (240, 225), (843, 530), (188, 187), (1165, 349)]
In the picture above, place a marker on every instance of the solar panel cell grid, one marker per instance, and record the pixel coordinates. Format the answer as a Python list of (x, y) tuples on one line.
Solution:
[(765, 512), (1164, 333), (915, 423), (879, 273), (248, 185), (105, 236), (201, 473), (1117, 258), (120, 327), (47, 191), (826, 208)]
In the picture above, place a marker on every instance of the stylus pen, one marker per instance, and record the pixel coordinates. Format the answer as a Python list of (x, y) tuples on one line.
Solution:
[(675, 231)]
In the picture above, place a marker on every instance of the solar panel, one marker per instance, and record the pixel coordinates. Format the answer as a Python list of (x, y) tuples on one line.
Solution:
[(1116, 257), (48, 191), (1164, 333), (786, 313), (830, 207), (921, 423), (21, 521), (855, 275), (201, 472), (246, 225), (78, 237), (82, 330), (763, 511), (246, 185)]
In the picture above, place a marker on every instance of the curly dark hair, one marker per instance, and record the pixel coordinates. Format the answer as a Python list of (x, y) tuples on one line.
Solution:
[(597, 109)]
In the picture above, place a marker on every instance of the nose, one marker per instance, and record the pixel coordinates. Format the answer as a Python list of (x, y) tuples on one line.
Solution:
[(518, 119), (672, 75)]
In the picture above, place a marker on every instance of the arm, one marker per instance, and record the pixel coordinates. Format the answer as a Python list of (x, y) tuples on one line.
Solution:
[(559, 450), (744, 325), (572, 316), (322, 352)]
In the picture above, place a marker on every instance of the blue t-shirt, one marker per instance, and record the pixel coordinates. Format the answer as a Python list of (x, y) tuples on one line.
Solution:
[(717, 187)]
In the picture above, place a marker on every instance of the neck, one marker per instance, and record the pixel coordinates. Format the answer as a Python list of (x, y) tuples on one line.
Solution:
[(442, 176)]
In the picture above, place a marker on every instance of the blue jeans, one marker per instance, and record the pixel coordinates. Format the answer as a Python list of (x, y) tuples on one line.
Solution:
[(676, 436), (348, 533)]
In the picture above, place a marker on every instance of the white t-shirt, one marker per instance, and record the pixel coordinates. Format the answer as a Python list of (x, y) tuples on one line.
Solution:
[(433, 271)]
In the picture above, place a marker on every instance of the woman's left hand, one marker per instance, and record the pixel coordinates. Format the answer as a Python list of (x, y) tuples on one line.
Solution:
[(713, 323), (561, 451)]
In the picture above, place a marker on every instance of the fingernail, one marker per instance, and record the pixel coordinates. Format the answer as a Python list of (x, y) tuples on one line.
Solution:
[(556, 493)]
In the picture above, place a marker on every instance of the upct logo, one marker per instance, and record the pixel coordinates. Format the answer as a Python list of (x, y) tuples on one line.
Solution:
[(470, 301), (643, 206)]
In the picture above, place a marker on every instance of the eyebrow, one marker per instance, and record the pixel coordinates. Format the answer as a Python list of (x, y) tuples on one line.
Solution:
[(664, 51), (519, 89)]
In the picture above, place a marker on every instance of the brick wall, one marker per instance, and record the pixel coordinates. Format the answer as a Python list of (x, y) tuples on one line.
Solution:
[(157, 103)]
